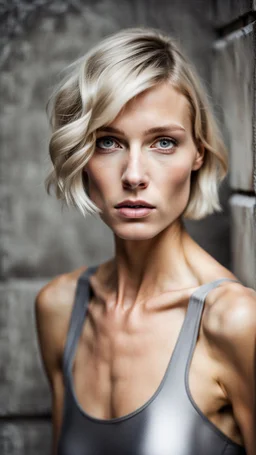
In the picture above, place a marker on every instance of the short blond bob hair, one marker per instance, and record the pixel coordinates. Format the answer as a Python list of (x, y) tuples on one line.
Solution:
[(96, 88)]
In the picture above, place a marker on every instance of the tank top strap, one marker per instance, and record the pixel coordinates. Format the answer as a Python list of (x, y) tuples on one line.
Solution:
[(201, 292), (187, 338), (77, 317)]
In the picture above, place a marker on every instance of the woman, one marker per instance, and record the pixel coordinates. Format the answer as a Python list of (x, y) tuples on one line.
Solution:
[(141, 357)]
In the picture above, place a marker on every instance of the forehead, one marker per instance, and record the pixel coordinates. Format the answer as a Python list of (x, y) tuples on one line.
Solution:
[(159, 104)]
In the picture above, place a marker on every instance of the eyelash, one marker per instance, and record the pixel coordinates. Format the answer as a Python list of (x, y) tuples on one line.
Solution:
[(174, 141)]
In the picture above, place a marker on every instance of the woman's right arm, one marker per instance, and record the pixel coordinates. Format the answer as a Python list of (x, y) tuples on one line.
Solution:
[(51, 326)]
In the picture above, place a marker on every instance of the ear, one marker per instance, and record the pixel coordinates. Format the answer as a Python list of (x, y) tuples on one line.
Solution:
[(199, 158)]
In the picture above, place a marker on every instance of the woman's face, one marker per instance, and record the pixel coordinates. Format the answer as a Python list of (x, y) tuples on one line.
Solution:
[(146, 153)]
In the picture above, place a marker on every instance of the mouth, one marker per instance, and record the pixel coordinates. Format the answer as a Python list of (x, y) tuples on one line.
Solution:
[(134, 208), (136, 211)]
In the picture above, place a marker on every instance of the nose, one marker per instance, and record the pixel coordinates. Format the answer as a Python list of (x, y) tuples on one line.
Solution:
[(135, 174)]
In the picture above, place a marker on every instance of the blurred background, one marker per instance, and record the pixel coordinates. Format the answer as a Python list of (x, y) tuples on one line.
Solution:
[(39, 240)]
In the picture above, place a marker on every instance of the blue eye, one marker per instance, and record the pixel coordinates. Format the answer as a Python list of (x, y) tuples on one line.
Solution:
[(107, 142), (165, 143)]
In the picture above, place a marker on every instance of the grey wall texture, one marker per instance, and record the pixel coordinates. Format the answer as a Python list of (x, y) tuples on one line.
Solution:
[(38, 239), (233, 85)]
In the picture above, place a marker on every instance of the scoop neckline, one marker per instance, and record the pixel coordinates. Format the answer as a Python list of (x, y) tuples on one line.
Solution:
[(145, 405)]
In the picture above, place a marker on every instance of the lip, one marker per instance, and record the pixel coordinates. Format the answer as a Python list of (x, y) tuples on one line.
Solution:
[(132, 202), (130, 212)]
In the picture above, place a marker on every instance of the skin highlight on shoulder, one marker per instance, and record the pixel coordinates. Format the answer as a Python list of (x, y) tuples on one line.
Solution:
[(223, 303)]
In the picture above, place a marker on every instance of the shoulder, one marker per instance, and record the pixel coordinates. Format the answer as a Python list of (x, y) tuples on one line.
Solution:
[(232, 310), (53, 306), (53, 303), (56, 293), (230, 331)]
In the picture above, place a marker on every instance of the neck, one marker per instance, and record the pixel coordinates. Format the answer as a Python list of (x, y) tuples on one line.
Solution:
[(142, 269)]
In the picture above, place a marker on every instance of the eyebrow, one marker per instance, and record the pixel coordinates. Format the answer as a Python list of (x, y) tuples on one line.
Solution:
[(156, 129)]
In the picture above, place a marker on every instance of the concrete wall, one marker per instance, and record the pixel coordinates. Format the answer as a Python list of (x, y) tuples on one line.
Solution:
[(38, 239), (233, 85)]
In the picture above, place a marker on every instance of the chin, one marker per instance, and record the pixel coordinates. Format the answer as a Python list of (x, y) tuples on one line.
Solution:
[(135, 232)]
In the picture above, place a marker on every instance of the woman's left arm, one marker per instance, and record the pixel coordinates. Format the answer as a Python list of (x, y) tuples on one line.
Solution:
[(236, 341)]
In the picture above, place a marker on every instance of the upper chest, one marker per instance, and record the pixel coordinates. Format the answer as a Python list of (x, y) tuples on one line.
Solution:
[(119, 351)]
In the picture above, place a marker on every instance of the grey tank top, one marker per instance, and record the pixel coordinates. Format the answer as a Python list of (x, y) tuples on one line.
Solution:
[(169, 423)]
